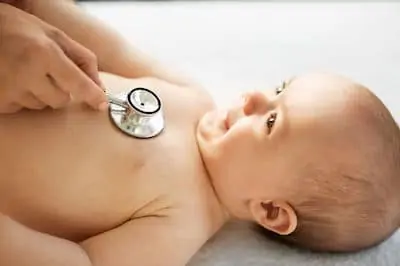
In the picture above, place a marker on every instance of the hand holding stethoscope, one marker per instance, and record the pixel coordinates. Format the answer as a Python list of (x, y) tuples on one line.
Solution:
[(41, 67)]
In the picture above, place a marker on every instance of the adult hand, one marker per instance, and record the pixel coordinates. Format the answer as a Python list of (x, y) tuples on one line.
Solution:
[(41, 66), (21, 4)]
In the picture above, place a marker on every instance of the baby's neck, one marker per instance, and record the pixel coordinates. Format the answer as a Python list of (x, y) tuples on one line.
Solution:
[(220, 211)]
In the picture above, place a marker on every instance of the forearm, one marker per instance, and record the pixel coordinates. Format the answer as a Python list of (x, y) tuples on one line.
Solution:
[(115, 54), (21, 246)]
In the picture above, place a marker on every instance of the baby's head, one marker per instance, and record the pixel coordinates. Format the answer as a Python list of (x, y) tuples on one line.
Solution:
[(316, 162)]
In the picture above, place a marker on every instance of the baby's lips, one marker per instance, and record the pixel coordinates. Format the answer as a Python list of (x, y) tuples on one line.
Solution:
[(226, 120)]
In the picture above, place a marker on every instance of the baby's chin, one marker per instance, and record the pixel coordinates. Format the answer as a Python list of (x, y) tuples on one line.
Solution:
[(212, 127)]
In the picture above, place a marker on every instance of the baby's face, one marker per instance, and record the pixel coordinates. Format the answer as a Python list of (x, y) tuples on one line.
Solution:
[(255, 149)]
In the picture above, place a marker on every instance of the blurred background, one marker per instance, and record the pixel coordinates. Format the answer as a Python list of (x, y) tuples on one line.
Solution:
[(232, 46)]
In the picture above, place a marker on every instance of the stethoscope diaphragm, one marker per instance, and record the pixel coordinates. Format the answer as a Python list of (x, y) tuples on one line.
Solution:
[(137, 113)]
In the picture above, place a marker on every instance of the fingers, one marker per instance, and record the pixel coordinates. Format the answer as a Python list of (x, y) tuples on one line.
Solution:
[(7, 105), (50, 94), (45, 94), (85, 59), (72, 80), (10, 108), (71, 59), (28, 100)]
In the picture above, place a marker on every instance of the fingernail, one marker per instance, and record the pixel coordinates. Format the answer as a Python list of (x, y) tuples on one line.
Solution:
[(103, 106)]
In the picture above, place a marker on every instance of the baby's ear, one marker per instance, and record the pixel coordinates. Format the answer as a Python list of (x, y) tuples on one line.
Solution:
[(276, 216)]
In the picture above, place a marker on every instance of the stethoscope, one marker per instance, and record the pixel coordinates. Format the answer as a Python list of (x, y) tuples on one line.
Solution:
[(137, 113)]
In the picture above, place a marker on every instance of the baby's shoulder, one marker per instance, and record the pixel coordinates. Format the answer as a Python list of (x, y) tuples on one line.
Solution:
[(191, 97), (195, 96), (190, 102)]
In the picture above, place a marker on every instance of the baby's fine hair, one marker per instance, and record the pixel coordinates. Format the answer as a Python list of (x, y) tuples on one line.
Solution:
[(356, 205)]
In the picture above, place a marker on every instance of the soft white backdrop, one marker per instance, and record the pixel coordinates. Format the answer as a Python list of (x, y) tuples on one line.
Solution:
[(234, 46)]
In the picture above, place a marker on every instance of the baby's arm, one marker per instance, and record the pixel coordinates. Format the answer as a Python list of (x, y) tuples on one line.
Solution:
[(115, 54), (147, 241), (21, 246)]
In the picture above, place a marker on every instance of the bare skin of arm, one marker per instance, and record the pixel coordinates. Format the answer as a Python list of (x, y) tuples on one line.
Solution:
[(117, 57), (149, 241), (21, 246)]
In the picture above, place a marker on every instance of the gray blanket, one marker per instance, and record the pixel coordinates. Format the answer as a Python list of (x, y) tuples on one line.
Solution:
[(238, 244)]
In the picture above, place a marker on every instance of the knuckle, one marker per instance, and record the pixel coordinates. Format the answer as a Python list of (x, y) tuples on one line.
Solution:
[(41, 45), (56, 34), (46, 46), (27, 101), (91, 58)]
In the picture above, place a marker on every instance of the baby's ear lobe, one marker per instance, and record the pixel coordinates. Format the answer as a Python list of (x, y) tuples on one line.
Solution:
[(276, 216)]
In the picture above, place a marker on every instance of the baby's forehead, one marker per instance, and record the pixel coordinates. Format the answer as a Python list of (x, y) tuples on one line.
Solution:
[(323, 103), (327, 91), (329, 83)]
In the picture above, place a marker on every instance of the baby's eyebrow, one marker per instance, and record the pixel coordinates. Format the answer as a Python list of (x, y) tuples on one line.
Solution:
[(285, 83)]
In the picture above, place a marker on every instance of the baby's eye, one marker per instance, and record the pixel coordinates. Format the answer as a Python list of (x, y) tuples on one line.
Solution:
[(270, 122)]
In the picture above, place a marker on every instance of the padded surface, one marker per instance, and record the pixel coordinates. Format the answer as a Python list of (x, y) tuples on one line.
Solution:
[(238, 244), (232, 47)]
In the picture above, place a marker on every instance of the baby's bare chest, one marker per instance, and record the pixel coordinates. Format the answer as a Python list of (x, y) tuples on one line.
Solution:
[(81, 177), (84, 186)]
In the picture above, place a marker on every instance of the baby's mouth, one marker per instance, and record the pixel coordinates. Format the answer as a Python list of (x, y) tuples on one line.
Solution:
[(232, 117), (227, 121)]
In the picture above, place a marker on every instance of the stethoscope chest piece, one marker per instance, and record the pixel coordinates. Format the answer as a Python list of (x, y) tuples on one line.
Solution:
[(137, 113)]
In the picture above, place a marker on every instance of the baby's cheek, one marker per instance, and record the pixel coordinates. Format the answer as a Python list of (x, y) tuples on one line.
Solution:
[(240, 142), (242, 154)]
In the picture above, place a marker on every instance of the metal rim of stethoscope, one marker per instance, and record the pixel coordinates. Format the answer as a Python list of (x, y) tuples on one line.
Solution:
[(129, 99), (154, 119)]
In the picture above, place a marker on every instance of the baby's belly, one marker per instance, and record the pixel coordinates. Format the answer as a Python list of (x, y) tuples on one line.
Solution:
[(69, 173)]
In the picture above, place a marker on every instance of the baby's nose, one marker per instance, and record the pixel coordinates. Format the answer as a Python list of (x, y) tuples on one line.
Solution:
[(255, 102)]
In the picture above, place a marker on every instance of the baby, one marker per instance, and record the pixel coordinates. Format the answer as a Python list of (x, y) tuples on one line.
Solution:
[(318, 163), (315, 162)]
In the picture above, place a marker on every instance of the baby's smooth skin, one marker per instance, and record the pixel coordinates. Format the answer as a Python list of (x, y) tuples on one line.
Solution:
[(69, 176), (77, 191), (315, 162)]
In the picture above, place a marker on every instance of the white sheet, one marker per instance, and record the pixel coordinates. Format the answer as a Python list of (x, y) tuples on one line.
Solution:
[(234, 46)]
